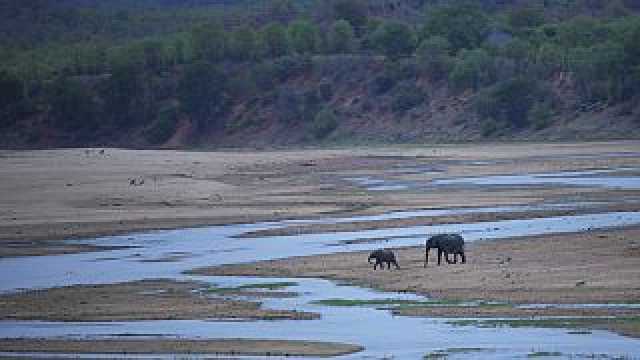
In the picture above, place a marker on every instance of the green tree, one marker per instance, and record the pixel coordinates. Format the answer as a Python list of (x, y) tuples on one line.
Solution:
[(324, 123), (525, 18), (341, 37), (394, 39), (153, 55), (201, 93), (209, 42), (274, 40), (464, 26), (72, 106), (303, 36), (433, 56), (12, 96), (243, 44), (472, 69), (353, 11), (124, 95), (510, 102)]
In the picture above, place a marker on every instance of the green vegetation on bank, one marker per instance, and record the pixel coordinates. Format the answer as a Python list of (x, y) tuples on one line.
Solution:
[(399, 303), (93, 72), (257, 286), (551, 322)]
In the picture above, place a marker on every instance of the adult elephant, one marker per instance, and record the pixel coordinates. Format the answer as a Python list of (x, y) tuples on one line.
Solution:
[(447, 244)]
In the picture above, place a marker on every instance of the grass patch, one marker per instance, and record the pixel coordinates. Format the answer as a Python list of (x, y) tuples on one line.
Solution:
[(355, 302), (256, 286), (543, 354), (400, 303), (443, 354), (586, 322)]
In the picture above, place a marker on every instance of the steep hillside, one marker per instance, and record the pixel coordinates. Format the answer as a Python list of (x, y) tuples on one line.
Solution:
[(340, 71)]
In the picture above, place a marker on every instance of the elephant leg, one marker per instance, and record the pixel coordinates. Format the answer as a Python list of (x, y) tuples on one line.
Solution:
[(426, 257), (450, 261), (439, 256), (388, 265), (464, 260)]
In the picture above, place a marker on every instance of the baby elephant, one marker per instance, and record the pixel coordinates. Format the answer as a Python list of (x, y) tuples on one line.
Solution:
[(383, 256), (447, 244)]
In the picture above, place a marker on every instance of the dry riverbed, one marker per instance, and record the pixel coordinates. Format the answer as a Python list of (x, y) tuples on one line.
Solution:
[(73, 193), (52, 195)]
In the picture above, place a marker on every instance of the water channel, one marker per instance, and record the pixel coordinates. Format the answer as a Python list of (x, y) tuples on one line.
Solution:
[(382, 334)]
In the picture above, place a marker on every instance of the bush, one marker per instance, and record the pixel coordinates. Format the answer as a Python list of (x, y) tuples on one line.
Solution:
[(164, 126), (382, 84), (11, 97), (303, 37), (201, 91), (352, 11), (324, 123), (473, 69), (510, 101), (407, 97), (434, 58), (540, 115), (341, 38), (291, 66), (465, 26), (73, 106), (394, 39)]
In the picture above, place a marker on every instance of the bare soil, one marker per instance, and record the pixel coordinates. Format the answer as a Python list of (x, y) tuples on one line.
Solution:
[(245, 347), (140, 300)]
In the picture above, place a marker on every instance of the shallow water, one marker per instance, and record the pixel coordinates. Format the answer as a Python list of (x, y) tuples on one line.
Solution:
[(379, 331), (403, 337), (612, 179), (622, 178)]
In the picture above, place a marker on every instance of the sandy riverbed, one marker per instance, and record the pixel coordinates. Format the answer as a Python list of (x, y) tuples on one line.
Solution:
[(46, 196), (139, 300), (180, 348), (57, 194)]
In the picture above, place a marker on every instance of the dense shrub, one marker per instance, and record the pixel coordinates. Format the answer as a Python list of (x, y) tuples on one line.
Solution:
[(394, 39), (433, 56), (164, 126), (12, 96), (201, 92), (540, 114), (464, 26), (473, 69), (509, 101), (406, 97), (73, 106), (341, 38), (324, 123)]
